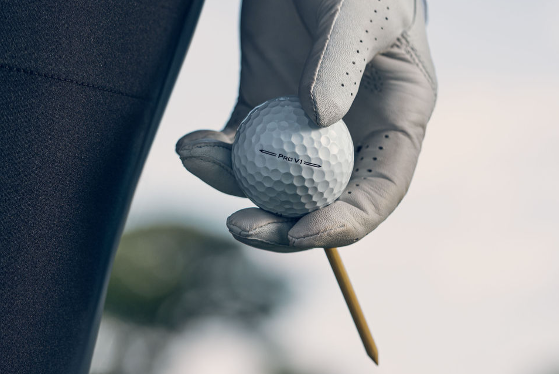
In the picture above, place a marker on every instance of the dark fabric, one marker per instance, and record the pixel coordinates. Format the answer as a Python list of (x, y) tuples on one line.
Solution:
[(83, 85)]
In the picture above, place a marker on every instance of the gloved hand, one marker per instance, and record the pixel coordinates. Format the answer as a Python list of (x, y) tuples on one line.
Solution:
[(365, 60)]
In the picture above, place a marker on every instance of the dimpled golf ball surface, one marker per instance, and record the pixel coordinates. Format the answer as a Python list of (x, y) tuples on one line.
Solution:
[(288, 165)]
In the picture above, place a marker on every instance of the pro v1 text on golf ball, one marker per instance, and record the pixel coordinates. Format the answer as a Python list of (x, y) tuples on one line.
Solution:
[(288, 165)]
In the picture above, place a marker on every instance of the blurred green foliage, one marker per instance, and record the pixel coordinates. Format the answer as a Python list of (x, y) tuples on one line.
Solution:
[(166, 278)]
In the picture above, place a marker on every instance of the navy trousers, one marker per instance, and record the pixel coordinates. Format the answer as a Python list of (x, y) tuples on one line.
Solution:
[(83, 85)]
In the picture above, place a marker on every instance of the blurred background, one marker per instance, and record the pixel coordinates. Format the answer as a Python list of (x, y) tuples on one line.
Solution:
[(462, 278)]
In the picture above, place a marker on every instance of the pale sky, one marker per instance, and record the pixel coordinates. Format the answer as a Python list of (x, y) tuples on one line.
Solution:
[(463, 277)]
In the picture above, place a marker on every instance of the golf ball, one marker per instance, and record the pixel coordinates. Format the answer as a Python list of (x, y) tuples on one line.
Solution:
[(288, 165)]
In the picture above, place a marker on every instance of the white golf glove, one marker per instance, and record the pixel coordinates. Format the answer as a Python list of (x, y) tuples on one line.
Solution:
[(365, 60)]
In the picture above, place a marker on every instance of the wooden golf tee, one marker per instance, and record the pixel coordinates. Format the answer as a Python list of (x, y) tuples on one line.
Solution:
[(352, 302)]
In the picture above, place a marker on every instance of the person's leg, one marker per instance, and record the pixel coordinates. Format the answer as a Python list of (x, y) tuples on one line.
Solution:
[(83, 87)]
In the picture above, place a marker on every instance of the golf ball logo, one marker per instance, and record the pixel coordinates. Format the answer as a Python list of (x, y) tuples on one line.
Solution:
[(288, 165), (289, 159)]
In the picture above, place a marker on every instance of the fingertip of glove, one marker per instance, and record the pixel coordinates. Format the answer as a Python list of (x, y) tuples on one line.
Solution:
[(261, 229), (332, 226), (213, 173), (209, 160), (324, 111), (180, 144), (200, 137)]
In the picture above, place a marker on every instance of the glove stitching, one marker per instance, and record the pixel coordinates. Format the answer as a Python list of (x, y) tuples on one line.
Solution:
[(321, 61), (258, 227), (185, 147), (294, 239)]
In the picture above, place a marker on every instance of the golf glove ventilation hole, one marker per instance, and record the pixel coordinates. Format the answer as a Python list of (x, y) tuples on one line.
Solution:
[(362, 53), (348, 61)]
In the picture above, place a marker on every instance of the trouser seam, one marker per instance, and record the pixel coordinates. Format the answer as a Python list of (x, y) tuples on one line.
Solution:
[(72, 81)]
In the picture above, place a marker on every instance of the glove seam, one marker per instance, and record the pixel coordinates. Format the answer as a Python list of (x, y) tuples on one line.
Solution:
[(294, 239), (258, 227), (414, 15), (335, 18), (205, 146), (417, 61)]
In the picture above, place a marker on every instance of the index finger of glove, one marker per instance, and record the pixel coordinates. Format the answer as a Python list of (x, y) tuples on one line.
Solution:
[(348, 34)]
